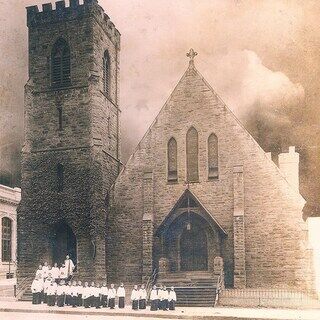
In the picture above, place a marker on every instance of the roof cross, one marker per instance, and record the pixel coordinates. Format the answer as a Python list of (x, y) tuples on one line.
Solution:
[(191, 54)]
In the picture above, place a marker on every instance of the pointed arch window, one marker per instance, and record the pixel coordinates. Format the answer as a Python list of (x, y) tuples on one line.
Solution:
[(172, 160), (6, 241), (213, 169), (192, 155), (106, 73), (60, 64)]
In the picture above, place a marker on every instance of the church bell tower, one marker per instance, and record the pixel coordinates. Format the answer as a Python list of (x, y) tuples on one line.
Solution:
[(71, 153)]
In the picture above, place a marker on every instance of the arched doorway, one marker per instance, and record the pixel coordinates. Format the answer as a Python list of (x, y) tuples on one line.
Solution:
[(64, 242), (193, 249)]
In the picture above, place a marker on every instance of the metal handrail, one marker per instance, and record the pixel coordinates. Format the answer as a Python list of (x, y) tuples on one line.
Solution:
[(22, 286), (219, 287), (151, 280)]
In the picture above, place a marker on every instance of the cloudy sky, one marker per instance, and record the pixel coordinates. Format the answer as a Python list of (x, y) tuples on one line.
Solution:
[(260, 56)]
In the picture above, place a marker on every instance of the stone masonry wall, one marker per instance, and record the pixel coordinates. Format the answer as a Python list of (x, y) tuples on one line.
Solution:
[(275, 251), (88, 145)]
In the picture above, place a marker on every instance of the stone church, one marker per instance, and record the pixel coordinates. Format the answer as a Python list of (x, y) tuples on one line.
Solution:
[(197, 186)]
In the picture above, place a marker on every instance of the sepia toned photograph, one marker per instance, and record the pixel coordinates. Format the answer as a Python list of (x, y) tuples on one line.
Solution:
[(160, 159)]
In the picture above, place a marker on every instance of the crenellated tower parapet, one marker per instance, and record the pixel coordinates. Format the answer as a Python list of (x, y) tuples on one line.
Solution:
[(75, 10)]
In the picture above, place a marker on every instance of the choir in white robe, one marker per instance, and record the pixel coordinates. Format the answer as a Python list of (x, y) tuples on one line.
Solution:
[(61, 294), (112, 296), (121, 293), (74, 295), (68, 295), (96, 295), (45, 271), (62, 273), (36, 289), (142, 298), (154, 300), (46, 284), (79, 292), (39, 273), (51, 293), (55, 273), (135, 299), (104, 296), (165, 296), (86, 295), (172, 298)]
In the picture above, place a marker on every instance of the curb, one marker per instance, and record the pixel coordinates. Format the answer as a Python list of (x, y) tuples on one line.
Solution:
[(130, 314)]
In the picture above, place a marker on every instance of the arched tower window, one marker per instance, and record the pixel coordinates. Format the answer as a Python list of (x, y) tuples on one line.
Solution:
[(192, 155), (60, 172), (6, 239), (172, 160), (106, 72), (213, 170), (60, 64)]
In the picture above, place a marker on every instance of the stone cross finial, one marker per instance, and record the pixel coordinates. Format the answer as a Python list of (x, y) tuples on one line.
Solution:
[(191, 54)]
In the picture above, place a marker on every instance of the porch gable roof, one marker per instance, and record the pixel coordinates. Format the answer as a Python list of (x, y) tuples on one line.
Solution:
[(207, 215)]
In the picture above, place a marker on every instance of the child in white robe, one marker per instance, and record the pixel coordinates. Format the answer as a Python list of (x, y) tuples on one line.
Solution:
[(112, 296), (154, 299), (165, 296), (97, 296), (79, 291), (172, 299), (121, 293), (142, 297), (74, 294), (55, 273), (104, 295), (51, 293), (135, 298), (61, 293), (86, 295), (36, 289)]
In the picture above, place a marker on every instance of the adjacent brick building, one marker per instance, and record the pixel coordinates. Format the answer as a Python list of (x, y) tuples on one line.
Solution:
[(198, 186)]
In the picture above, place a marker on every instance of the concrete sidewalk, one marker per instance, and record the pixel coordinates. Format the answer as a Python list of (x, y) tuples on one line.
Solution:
[(180, 313)]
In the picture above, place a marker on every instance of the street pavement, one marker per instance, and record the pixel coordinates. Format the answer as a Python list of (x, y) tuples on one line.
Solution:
[(14, 310)]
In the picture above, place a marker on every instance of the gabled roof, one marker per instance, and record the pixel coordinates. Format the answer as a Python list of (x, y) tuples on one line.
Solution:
[(205, 213), (192, 70)]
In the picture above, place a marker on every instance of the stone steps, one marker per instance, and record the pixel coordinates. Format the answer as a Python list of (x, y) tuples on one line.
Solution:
[(27, 295), (196, 289), (196, 296)]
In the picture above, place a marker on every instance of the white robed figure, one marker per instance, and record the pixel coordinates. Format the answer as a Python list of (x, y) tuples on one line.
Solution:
[(69, 266)]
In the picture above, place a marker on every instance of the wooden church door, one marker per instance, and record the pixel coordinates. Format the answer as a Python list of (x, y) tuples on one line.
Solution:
[(193, 250)]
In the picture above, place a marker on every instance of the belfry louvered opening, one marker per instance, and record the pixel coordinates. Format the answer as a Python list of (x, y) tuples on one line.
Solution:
[(60, 64)]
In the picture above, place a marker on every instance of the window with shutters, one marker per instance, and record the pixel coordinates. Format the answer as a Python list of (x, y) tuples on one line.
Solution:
[(6, 239), (192, 155), (60, 64), (213, 170), (172, 160), (106, 73), (60, 173)]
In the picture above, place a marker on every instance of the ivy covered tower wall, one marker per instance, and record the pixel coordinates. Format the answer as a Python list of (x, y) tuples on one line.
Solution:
[(71, 149)]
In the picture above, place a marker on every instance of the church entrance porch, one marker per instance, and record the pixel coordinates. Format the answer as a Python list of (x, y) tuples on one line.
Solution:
[(188, 239), (188, 251)]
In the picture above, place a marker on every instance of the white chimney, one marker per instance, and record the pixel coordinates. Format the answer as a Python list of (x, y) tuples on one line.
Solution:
[(289, 165)]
